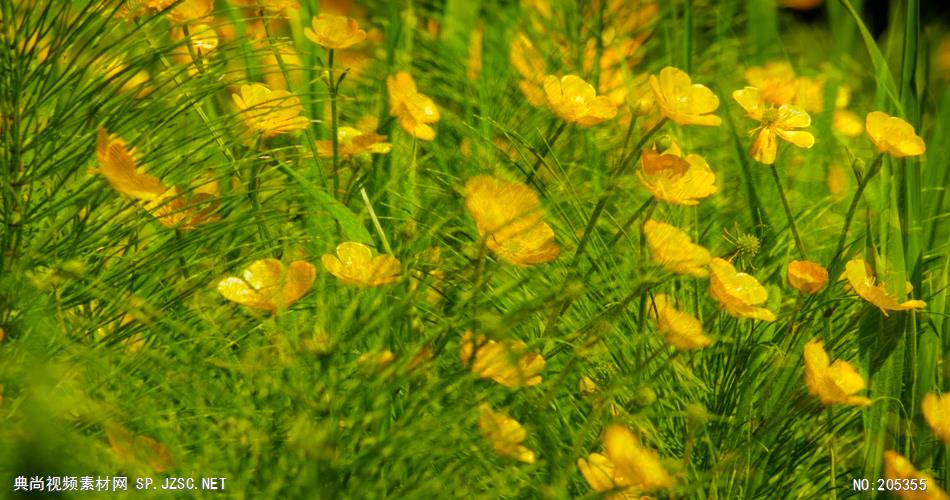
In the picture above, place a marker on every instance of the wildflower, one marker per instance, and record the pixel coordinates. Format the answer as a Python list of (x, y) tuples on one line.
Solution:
[(624, 466), (861, 279), (117, 165), (587, 386), (529, 63), (503, 362), (893, 136), (575, 101), (773, 122), (413, 111), (269, 5), (776, 81), (504, 434), (334, 32), (898, 469), (266, 285), (680, 329), (847, 123), (671, 178), (354, 264), (832, 383), (138, 450), (936, 410), (682, 101), (190, 11), (806, 276), (376, 361), (353, 142), (737, 293), (508, 216), (473, 66), (672, 248), (271, 112), (175, 210)]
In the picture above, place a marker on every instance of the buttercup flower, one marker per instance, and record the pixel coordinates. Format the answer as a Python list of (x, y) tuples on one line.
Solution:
[(266, 285), (672, 248), (529, 63), (898, 468), (624, 466), (334, 32), (140, 450), (847, 123), (775, 80), (936, 410), (680, 329), (271, 112), (354, 264), (861, 279), (508, 216), (190, 11), (832, 383), (177, 210), (352, 142), (893, 136), (737, 293), (413, 110), (117, 165), (504, 434), (806, 276), (575, 101), (682, 101), (671, 178), (773, 122), (503, 361)]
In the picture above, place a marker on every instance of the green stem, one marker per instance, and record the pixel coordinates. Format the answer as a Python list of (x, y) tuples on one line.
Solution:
[(375, 219), (862, 184), (334, 126), (548, 146), (788, 211)]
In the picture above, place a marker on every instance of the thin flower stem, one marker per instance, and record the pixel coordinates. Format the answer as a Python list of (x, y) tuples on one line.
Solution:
[(548, 146), (788, 211), (862, 184), (375, 219), (334, 125)]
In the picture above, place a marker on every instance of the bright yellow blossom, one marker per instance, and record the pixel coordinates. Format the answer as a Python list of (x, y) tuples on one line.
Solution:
[(682, 101), (936, 410), (504, 361), (117, 165), (191, 11), (680, 329), (266, 285), (861, 279), (898, 468), (504, 434), (271, 112), (625, 466), (893, 136), (575, 101), (334, 32), (832, 383), (671, 248), (671, 178), (183, 211), (529, 63), (414, 111), (774, 122), (737, 293), (776, 81), (806, 276), (353, 142), (354, 264)]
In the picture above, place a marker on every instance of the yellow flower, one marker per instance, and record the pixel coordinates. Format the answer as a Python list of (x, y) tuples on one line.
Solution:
[(265, 284), (508, 216), (773, 122), (189, 11), (473, 66), (504, 434), (625, 466), (680, 329), (682, 101), (936, 410), (737, 293), (847, 123), (671, 178), (893, 136), (270, 5), (413, 110), (672, 248), (176, 210), (529, 63), (806, 276), (117, 165), (832, 383), (776, 81), (353, 142), (861, 279), (354, 264), (575, 101), (334, 32), (140, 450), (502, 361), (898, 468), (587, 386), (271, 112)]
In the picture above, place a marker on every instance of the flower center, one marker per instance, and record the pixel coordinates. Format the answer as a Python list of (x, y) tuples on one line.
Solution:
[(770, 116)]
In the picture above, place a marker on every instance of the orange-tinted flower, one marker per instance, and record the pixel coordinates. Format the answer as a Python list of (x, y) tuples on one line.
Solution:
[(270, 112), (473, 66), (861, 279), (190, 11), (413, 110), (776, 81), (936, 410), (737, 293), (504, 362), (806, 276), (117, 165), (625, 466), (893, 136), (266, 285), (682, 101), (354, 264), (680, 329), (674, 179), (334, 32), (508, 216), (774, 123), (575, 101), (352, 142), (832, 383), (504, 434), (134, 450), (184, 211), (898, 468), (672, 248)]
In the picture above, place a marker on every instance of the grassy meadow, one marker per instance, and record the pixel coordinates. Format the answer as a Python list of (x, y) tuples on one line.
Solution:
[(475, 249)]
